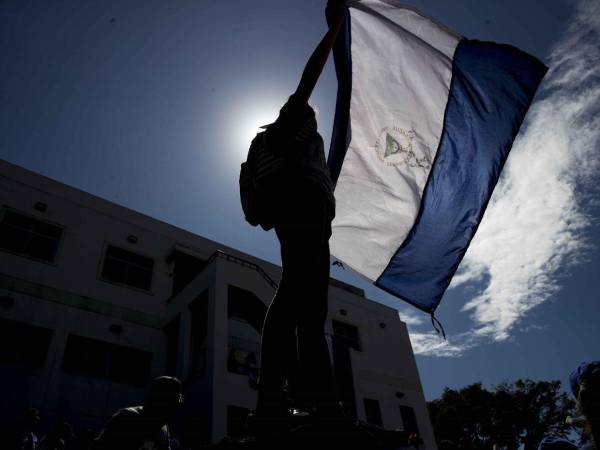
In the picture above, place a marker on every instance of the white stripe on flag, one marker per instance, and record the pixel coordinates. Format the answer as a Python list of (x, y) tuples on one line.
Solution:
[(401, 73)]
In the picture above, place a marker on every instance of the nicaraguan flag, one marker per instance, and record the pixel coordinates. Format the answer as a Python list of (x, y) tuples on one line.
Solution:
[(424, 123)]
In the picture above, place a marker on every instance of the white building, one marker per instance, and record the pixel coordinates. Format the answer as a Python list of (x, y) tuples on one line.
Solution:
[(97, 299)]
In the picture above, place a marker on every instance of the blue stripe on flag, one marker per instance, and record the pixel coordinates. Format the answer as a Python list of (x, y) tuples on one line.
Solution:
[(340, 137), (492, 87)]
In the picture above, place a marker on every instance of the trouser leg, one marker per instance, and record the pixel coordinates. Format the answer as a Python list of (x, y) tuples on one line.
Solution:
[(305, 253), (313, 350), (278, 348), (293, 338)]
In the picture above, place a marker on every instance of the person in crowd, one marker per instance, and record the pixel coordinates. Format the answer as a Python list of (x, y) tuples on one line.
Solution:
[(585, 383), (24, 437), (144, 426), (585, 386), (293, 342), (84, 439), (60, 438)]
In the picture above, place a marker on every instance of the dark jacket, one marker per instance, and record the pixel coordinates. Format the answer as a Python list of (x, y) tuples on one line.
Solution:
[(294, 135)]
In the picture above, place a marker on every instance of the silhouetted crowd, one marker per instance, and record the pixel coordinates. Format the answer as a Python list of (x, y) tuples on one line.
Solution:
[(25, 437), (137, 427), (146, 427)]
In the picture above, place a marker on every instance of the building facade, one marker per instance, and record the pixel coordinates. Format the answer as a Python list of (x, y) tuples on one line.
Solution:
[(96, 300)]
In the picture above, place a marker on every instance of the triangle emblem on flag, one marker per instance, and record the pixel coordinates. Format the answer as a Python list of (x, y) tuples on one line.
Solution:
[(392, 146)]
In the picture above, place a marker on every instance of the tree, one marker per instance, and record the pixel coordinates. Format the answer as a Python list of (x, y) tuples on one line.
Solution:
[(510, 415)]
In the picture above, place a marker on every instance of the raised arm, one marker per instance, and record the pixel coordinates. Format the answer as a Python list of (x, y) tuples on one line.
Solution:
[(317, 61)]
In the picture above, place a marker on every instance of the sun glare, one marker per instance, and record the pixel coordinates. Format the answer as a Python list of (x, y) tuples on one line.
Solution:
[(250, 120)]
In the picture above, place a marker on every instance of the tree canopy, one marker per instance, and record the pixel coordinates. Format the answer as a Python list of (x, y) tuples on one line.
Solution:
[(510, 415)]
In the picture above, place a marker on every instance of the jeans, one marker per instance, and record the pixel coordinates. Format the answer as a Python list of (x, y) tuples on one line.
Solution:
[(294, 348)]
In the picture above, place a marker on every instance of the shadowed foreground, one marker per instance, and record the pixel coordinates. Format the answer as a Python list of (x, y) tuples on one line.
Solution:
[(316, 437)]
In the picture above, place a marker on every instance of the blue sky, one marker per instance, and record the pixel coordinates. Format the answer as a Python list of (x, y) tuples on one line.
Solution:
[(152, 105)]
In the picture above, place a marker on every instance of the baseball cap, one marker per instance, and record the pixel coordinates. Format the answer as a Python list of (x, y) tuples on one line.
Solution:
[(584, 370)]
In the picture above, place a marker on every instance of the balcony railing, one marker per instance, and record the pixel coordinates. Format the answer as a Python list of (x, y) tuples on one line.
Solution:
[(244, 263)]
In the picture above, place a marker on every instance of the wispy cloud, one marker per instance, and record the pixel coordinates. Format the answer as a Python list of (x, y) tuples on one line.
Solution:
[(534, 227), (430, 344), (411, 318)]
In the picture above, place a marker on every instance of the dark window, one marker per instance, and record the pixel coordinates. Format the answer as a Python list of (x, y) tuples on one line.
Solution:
[(28, 236), (172, 332), (125, 267), (409, 420), (198, 335), (23, 344), (244, 305), (93, 358), (185, 269), (372, 411), (344, 378), (348, 333), (246, 313), (236, 419)]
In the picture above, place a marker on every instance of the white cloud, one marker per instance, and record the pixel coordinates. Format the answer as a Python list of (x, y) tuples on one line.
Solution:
[(534, 227), (411, 318), (431, 344)]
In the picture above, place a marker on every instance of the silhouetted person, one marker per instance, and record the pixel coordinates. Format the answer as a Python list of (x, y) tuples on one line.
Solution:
[(293, 343), (144, 426), (585, 386), (84, 439), (58, 439), (24, 436), (588, 401)]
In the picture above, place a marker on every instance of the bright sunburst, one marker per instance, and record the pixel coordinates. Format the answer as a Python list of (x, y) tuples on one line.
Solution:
[(251, 118)]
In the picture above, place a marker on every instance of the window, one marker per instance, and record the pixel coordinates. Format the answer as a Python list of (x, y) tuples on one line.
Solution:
[(245, 306), (198, 336), (347, 333), (29, 236), (172, 332), (409, 420), (185, 269), (243, 358), (93, 358), (125, 267), (22, 344), (344, 378), (372, 412), (246, 314)]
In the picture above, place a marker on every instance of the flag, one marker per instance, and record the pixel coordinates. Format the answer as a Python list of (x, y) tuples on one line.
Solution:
[(424, 122)]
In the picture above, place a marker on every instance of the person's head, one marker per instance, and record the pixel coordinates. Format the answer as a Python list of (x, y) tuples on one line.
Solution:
[(582, 371), (293, 116), (296, 111), (164, 398), (30, 419)]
